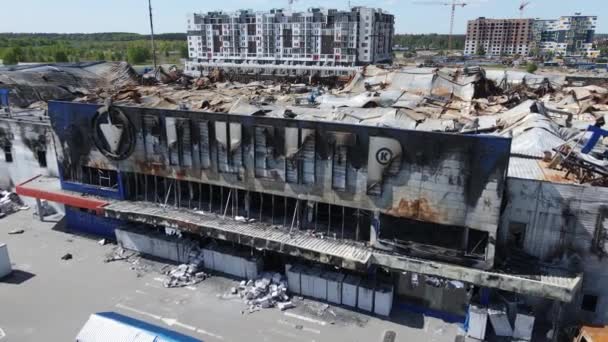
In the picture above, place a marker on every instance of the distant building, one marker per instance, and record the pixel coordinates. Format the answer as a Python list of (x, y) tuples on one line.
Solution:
[(499, 36), (567, 36), (316, 37)]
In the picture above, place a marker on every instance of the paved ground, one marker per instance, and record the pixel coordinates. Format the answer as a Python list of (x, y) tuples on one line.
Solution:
[(49, 299)]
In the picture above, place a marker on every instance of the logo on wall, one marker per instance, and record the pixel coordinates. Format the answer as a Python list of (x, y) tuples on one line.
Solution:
[(113, 133), (384, 156)]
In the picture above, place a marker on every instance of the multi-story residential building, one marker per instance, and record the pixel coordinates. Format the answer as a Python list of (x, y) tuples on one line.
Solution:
[(316, 37), (567, 36), (498, 37)]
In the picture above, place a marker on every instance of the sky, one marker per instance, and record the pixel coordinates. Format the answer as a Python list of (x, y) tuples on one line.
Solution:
[(86, 16)]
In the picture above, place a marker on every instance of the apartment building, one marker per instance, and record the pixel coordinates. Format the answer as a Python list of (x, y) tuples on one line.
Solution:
[(567, 36), (315, 37), (498, 37)]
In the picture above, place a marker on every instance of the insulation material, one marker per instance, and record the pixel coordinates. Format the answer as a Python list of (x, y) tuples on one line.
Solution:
[(383, 300), (334, 286), (349, 290), (500, 323), (5, 261), (478, 321), (524, 325), (365, 296), (293, 278)]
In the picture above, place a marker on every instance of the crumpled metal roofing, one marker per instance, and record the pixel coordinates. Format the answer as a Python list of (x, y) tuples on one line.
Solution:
[(33, 83), (421, 81)]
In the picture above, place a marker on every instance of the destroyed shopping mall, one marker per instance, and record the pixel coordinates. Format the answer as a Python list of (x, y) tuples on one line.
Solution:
[(444, 190)]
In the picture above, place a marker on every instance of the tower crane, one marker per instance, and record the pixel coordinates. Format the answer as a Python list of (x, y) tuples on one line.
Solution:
[(522, 7), (453, 4)]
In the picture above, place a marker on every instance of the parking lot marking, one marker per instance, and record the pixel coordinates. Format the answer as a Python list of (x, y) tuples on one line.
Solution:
[(170, 321), (304, 318)]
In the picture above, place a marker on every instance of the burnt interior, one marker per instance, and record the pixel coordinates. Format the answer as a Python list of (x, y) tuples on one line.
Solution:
[(418, 238), (332, 221)]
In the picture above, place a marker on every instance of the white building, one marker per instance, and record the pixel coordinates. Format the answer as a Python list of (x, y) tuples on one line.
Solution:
[(567, 36), (317, 37)]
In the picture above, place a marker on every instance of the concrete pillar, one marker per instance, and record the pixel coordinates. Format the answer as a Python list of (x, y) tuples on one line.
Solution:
[(39, 208)]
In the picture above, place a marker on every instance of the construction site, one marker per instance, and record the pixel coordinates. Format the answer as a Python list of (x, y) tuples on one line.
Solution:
[(471, 199)]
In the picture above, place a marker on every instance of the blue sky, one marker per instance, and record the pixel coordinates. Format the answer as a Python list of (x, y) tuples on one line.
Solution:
[(131, 15)]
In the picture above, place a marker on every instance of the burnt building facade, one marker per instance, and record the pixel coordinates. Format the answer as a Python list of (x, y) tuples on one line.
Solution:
[(394, 207)]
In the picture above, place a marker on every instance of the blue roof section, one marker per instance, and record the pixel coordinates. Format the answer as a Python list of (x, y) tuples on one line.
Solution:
[(161, 334)]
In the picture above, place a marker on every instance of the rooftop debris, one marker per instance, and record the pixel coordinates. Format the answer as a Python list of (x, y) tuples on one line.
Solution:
[(545, 117)]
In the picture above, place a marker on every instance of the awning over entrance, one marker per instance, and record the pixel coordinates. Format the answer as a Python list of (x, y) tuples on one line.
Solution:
[(340, 253), (259, 235), (547, 284), (49, 188)]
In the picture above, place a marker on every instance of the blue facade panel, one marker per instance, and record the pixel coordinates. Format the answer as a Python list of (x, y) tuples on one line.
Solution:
[(84, 222)]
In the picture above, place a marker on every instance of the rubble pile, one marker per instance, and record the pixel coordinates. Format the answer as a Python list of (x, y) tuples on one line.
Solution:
[(268, 291), (187, 274), (10, 203)]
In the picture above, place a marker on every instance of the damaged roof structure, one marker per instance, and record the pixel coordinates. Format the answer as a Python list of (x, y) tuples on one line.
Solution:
[(492, 178)]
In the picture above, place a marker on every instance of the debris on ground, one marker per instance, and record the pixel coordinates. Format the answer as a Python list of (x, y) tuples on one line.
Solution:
[(66, 256), (102, 242), (118, 254), (16, 231), (10, 203), (268, 291), (187, 274)]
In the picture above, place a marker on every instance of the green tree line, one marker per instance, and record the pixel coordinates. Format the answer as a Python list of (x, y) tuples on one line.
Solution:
[(79, 47)]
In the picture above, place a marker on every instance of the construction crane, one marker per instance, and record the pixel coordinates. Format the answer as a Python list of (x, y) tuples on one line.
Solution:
[(454, 4), (290, 2), (522, 7)]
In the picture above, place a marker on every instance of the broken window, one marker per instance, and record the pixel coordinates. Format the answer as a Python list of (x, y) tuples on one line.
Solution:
[(589, 303), (8, 152), (41, 156), (98, 177)]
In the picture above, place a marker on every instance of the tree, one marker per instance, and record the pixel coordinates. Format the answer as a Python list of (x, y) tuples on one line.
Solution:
[(138, 54), (531, 67), (100, 56), (480, 51), (61, 57), (183, 51), (10, 57)]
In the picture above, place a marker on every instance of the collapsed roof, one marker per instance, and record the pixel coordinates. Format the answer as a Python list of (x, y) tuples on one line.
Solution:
[(42, 82)]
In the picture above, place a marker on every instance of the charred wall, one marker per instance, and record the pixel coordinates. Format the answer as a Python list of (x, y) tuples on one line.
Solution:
[(445, 179)]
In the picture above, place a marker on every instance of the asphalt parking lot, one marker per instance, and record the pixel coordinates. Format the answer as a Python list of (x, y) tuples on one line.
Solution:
[(49, 299)]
